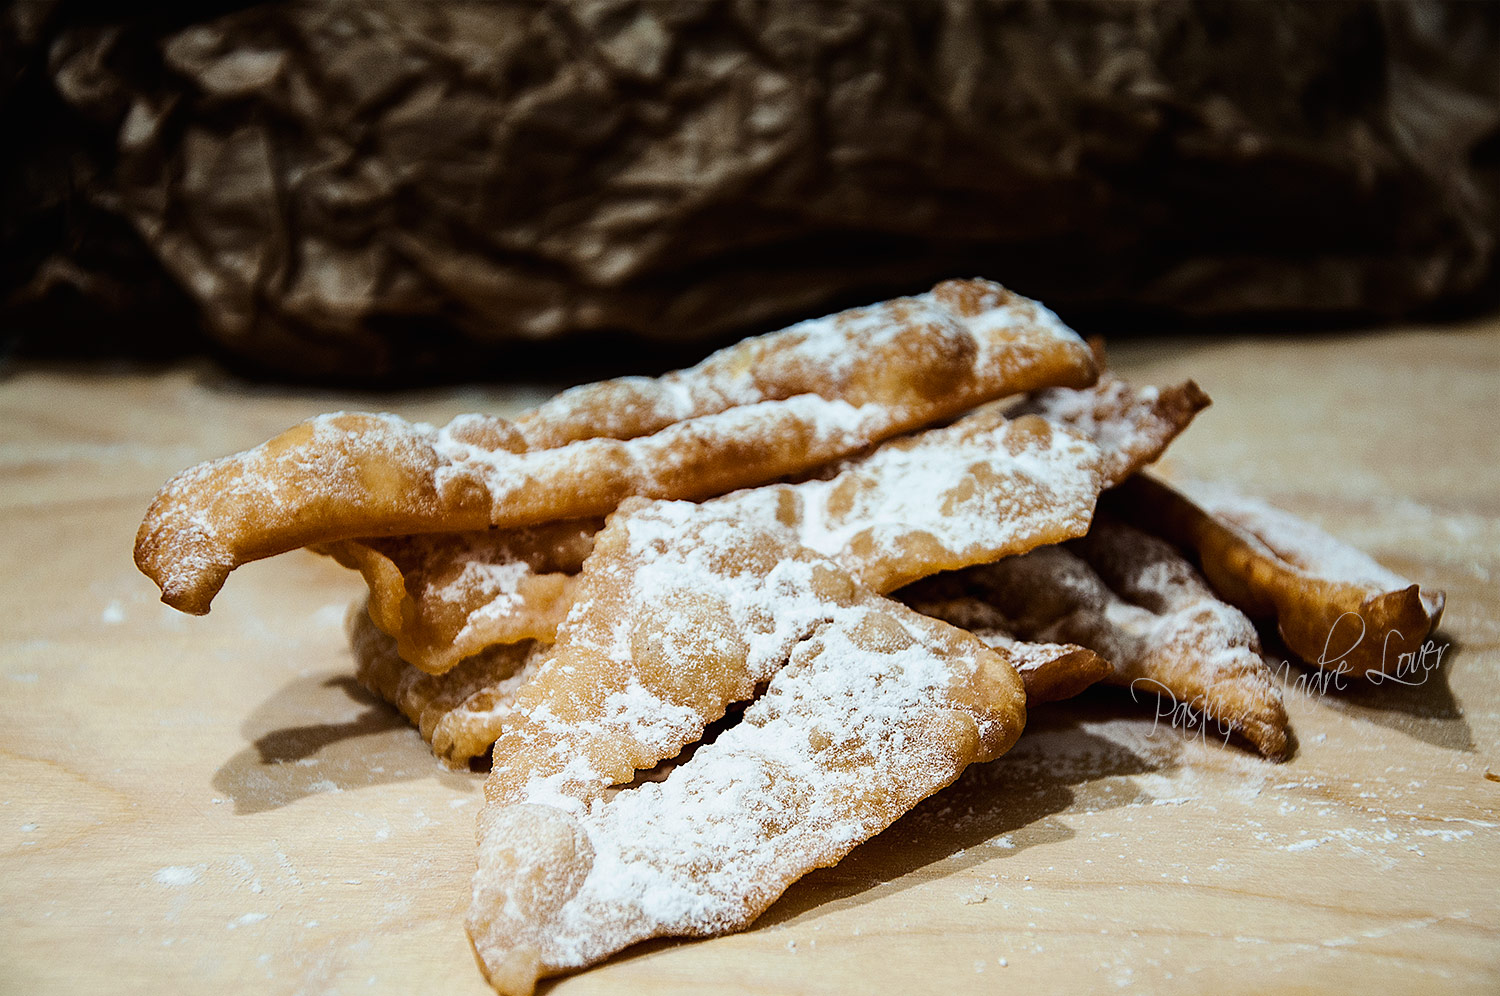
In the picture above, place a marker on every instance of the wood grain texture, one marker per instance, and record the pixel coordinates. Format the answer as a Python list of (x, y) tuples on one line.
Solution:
[(211, 805)]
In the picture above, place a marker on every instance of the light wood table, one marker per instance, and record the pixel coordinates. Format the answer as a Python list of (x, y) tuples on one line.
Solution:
[(213, 806)]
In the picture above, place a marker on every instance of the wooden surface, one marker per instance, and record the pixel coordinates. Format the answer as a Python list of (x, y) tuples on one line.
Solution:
[(212, 805)]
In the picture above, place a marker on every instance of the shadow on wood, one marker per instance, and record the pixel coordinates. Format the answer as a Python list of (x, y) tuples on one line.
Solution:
[(289, 760)]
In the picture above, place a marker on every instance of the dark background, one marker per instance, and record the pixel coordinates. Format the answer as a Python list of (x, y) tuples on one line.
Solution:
[(378, 192)]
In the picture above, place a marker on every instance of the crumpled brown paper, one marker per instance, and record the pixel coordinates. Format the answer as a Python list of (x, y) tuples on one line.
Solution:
[(358, 188)]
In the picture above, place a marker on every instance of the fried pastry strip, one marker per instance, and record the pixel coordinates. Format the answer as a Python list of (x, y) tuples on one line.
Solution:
[(1131, 425), (877, 708), (1134, 600), (1334, 606), (446, 596), (462, 712), (1051, 672), (459, 713), (759, 410), (683, 609), (935, 354), (1127, 418)]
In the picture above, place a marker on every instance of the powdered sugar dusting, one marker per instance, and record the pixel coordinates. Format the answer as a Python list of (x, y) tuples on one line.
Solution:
[(495, 584), (972, 487), (849, 355), (758, 411), (721, 591), (1131, 424), (590, 476), (844, 740), (178, 875), (489, 590), (1093, 412), (1135, 601)]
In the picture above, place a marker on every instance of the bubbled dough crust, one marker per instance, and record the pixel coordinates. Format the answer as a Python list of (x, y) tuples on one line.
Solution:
[(1135, 601), (756, 411), (447, 596), (874, 708), (682, 609), (1132, 425)]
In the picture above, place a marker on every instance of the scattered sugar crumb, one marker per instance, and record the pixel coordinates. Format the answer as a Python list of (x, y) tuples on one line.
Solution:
[(246, 920), (175, 875), (113, 614)]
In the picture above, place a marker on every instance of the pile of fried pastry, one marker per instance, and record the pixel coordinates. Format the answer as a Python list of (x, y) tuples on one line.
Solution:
[(881, 535)]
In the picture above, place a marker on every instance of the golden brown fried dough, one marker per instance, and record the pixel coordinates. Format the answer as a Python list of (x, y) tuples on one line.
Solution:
[(1132, 425), (1132, 420), (1051, 672), (1135, 601), (603, 825), (685, 608), (682, 608), (1334, 607), (447, 596), (460, 712), (877, 708), (972, 338), (760, 410)]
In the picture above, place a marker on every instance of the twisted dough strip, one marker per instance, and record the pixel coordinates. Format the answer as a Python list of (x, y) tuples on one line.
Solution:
[(759, 410), (876, 708), (459, 712), (1136, 422), (1051, 672), (1133, 599), (972, 338), (682, 609), (446, 596), (1334, 607), (462, 712), (1131, 425)]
